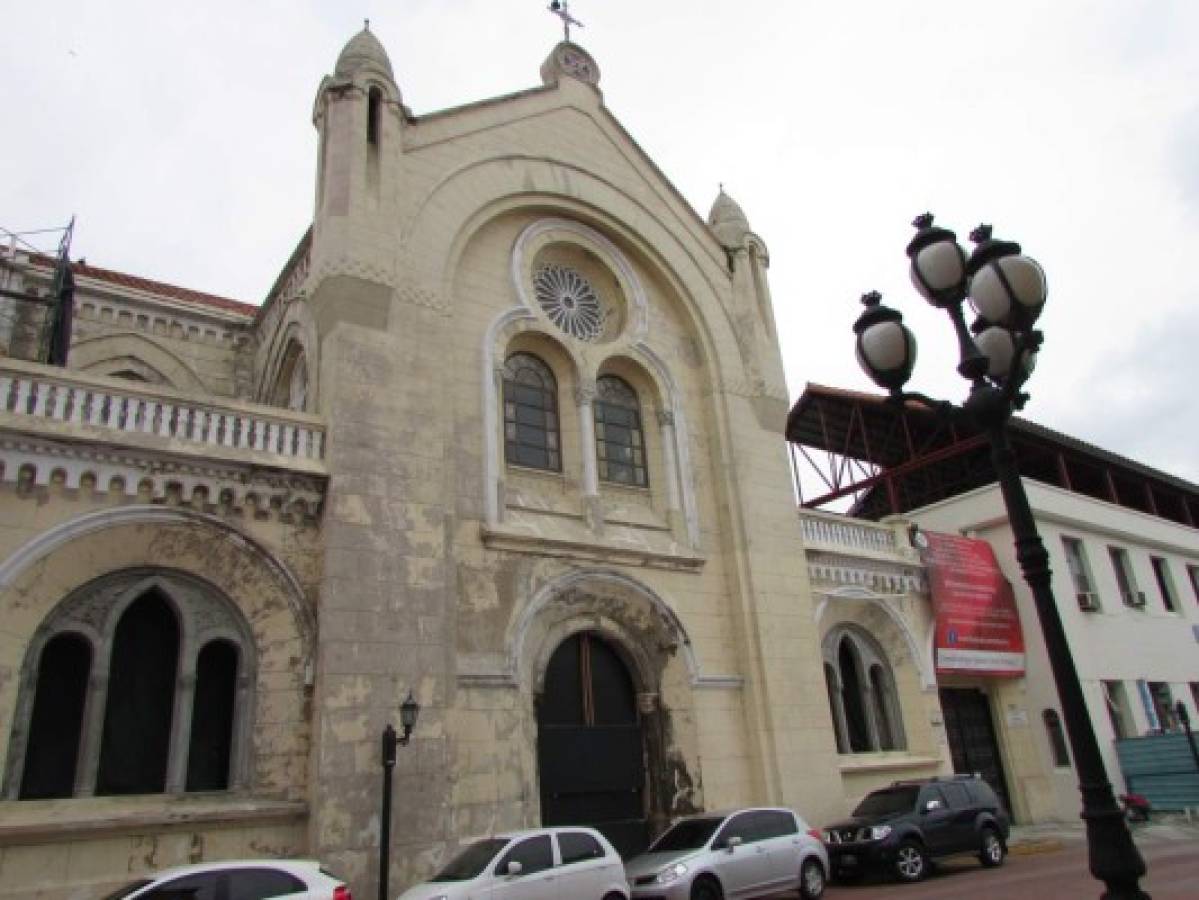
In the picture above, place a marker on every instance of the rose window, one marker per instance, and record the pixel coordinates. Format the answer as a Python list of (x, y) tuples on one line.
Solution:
[(570, 301)]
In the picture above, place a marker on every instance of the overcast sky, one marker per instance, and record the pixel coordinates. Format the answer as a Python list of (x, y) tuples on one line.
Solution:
[(181, 137)]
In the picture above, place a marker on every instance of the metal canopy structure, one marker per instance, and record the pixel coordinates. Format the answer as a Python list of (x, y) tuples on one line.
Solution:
[(890, 458)]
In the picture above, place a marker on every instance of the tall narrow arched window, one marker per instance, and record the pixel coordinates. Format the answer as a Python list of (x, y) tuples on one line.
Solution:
[(141, 699), (619, 438), (862, 694), (1057, 738), (852, 697), (374, 118), (531, 436), (208, 755), (56, 722), (880, 693), (834, 705)]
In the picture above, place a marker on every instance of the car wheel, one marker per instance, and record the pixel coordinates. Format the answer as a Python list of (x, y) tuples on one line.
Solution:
[(811, 880), (992, 851), (911, 862), (706, 889)]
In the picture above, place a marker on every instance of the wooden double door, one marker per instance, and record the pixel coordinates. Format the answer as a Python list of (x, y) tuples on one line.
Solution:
[(591, 744)]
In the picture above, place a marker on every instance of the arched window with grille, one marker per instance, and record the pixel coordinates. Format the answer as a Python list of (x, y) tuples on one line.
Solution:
[(531, 428), (863, 700), (137, 683), (619, 437)]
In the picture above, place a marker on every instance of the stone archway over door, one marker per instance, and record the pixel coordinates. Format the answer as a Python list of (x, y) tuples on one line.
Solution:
[(591, 745)]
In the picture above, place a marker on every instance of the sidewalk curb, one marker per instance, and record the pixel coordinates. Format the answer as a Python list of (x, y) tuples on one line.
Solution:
[(1033, 846)]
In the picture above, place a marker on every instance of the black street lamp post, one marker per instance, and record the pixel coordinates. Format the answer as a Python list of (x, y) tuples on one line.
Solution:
[(409, 710), (1007, 290)]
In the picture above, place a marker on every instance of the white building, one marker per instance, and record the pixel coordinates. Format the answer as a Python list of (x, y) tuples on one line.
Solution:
[(1123, 549)]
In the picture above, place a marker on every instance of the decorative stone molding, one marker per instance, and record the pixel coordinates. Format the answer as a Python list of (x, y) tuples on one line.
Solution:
[(529, 241), (880, 579), (585, 393), (502, 671), (151, 318), (666, 417), (204, 485), (596, 549)]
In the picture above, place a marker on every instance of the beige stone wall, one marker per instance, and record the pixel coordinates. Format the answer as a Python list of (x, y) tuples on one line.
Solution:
[(440, 579), (83, 849), (53, 540)]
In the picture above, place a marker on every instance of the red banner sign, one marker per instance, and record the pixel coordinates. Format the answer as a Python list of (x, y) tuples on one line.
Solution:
[(978, 625)]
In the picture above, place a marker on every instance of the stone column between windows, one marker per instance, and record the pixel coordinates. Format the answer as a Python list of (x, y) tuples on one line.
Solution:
[(181, 726), (585, 403), (93, 727), (670, 462)]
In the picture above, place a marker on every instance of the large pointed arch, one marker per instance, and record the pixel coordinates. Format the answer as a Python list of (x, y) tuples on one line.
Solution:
[(114, 353)]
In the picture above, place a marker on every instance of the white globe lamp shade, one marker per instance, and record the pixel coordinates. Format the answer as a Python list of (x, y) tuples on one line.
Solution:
[(997, 346), (887, 352), (1007, 284), (938, 270)]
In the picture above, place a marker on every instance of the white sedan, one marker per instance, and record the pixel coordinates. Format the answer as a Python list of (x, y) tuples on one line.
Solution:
[(542, 864), (254, 879)]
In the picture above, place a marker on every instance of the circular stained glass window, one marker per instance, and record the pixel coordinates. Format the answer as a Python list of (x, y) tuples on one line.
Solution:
[(570, 301)]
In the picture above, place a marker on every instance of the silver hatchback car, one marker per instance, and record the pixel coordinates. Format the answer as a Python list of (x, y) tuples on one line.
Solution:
[(744, 853)]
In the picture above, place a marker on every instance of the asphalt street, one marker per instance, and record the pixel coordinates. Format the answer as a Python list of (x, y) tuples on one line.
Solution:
[(1059, 873)]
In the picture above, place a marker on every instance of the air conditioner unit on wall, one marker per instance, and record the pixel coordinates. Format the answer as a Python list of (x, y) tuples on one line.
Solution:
[(1088, 601), (1134, 598)]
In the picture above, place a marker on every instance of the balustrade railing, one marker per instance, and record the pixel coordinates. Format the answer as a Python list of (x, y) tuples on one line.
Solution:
[(82, 402), (847, 534)]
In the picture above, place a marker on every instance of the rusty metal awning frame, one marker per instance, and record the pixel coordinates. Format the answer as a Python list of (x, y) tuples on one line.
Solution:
[(890, 459)]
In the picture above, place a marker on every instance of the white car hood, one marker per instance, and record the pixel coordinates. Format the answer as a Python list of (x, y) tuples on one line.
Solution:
[(651, 863)]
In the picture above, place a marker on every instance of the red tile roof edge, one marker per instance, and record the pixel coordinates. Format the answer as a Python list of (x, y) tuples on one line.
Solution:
[(171, 291)]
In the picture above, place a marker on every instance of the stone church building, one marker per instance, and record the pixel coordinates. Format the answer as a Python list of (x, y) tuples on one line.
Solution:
[(506, 433)]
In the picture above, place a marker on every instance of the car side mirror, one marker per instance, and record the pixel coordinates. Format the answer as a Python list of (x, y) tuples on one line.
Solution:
[(932, 805), (733, 842), (514, 868)]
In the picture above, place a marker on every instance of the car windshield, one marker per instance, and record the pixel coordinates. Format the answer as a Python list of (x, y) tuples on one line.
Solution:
[(690, 834), (126, 890), (471, 860), (887, 803)]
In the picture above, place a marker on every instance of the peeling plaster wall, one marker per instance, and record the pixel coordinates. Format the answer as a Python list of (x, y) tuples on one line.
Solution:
[(408, 276), (99, 842)]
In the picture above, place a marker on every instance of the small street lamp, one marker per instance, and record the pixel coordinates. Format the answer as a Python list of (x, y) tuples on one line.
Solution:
[(409, 710), (1007, 291)]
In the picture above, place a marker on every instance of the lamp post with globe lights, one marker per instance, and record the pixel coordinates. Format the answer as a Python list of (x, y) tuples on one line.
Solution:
[(1007, 291), (409, 710)]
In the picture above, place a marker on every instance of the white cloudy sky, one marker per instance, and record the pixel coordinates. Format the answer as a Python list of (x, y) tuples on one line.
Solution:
[(180, 136)]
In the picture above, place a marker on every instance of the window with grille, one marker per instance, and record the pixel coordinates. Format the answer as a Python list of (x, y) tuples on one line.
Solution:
[(1165, 584), (531, 435), (1122, 567), (1057, 738), (619, 438)]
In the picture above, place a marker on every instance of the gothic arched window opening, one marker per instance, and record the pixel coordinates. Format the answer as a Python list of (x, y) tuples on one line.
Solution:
[(861, 691), (531, 436), (619, 438), (139, 683)]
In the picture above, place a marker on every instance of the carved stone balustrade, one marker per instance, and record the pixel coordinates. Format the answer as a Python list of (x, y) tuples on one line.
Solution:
[(59, 426)]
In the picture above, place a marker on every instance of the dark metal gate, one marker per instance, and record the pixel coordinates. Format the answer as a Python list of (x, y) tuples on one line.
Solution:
[(971, 733), (590, 748)]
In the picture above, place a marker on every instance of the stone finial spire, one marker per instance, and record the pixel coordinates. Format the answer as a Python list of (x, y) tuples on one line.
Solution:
[(364, 53), (728, 221)]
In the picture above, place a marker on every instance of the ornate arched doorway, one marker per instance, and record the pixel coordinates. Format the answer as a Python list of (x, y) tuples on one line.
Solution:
[(591, 745)]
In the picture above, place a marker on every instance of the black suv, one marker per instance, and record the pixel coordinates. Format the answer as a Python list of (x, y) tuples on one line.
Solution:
[(901, 828)]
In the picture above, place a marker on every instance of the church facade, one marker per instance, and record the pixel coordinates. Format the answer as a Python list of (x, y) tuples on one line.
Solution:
[(505, 434)]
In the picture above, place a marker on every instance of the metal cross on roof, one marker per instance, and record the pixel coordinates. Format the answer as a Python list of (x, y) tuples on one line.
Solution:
[(561, 9)]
